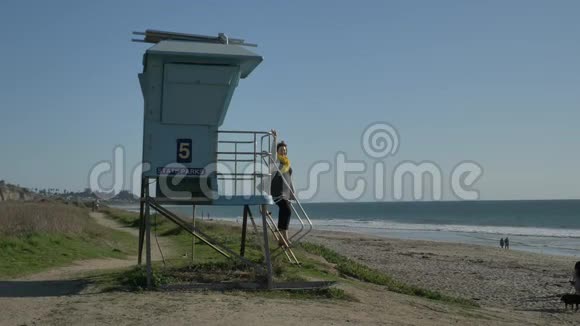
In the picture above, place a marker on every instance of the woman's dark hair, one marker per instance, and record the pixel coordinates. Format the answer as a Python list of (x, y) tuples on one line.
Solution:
[(577, 268), (280, 144)]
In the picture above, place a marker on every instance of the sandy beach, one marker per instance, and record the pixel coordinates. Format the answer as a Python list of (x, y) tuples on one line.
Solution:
[(491, 276)]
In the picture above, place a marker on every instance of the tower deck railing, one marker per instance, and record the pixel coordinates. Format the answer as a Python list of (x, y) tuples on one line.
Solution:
[(240, 167), (246, 166)]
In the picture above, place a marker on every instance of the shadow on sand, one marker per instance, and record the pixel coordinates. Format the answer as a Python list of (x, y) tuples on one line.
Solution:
[(22, 289), (548, 310)]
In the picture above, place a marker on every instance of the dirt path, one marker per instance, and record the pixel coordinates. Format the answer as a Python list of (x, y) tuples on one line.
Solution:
[(79, 268), (69, 280), (375, 306)]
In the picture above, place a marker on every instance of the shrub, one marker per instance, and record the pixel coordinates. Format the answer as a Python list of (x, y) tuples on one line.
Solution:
[(22, 218)]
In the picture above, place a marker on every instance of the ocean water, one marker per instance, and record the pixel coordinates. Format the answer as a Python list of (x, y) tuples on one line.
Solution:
[(543, 226)]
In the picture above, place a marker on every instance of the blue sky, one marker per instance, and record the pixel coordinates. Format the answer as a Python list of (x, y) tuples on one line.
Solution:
[(495, 82)]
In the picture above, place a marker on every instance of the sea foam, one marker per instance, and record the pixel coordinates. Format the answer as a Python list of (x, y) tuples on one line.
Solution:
[(344, 224)]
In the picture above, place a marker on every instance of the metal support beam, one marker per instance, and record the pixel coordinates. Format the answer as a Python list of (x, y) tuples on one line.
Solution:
[(193, 238), (200, 235), (189, 228), (148, 242), (244, 230), (270, 283), (141, 222)]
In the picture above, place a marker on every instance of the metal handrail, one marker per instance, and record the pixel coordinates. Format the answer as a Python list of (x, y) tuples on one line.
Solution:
[(233, 178), (235, 141), (244, 132), (244, 153), (295, 212), (277, 235), (262, 154), (310, 225), (250, 174), (236, 160), (238, 156)]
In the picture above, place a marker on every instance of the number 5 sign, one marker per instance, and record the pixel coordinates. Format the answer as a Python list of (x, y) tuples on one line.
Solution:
[(183, 151)]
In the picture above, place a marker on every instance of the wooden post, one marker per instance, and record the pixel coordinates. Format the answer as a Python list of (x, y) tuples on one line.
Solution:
[(244, 227)]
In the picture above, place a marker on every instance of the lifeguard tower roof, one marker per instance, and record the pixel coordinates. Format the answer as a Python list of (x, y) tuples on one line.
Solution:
[(210, 53)]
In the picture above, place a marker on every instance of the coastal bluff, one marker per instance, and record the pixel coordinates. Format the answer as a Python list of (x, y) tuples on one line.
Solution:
[(13, 192)]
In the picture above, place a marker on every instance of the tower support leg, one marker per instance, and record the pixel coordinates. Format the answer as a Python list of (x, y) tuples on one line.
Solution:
[(148, 241), (141, 221), (193, 238), (244, 230), (266, 248)]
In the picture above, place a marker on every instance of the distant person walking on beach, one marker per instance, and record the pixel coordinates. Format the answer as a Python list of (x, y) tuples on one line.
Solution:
[(507, 243), (281, 188), (576, 278), (501, 243)]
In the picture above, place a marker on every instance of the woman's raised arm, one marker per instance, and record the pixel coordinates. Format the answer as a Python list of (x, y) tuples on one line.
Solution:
[(273, 149)]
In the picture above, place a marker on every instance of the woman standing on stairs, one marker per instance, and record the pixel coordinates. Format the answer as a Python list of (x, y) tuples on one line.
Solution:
[(282, 189)]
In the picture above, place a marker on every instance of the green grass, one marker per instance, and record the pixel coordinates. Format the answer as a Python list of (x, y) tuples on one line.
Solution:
[(212, 267), (31, 253), (209, 266), (36, 236), (361, 272), (135, 279), (124, 217), (228, 235), (316, 294)]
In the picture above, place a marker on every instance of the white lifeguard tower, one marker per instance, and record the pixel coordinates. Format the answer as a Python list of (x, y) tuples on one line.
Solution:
[(187, 83)]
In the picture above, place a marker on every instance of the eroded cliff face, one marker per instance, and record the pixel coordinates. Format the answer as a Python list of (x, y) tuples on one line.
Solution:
[(12, 192)]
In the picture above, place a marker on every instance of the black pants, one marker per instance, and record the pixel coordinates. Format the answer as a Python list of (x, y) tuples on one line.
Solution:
[(284, 214)]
